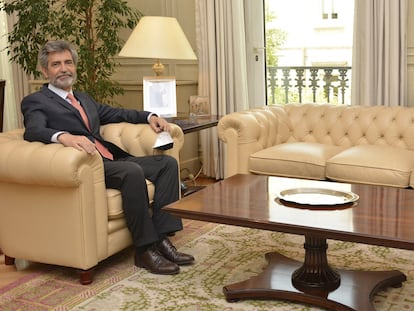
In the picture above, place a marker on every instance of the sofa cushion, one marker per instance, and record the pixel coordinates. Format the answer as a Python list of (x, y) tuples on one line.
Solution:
[(115, 210), (298, 159), (372, 164)]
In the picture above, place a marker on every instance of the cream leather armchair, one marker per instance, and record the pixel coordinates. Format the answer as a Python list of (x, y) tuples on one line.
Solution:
[(54, 206)]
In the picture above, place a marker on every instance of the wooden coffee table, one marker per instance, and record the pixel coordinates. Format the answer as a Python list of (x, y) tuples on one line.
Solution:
[(381, 216)]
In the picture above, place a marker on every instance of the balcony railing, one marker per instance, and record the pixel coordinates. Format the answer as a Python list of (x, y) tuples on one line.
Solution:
[(309, 84)]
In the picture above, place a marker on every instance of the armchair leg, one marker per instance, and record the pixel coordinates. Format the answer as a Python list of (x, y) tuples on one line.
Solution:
[(9, 261), (86, 276)]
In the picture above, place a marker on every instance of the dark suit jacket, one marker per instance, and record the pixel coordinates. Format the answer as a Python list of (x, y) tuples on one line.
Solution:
[(45, 113)]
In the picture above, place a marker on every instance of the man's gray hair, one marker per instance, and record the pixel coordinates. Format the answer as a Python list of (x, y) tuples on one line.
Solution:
[(56, 46)]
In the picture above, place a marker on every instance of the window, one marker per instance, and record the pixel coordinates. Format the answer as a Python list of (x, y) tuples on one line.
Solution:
[(312, 56)]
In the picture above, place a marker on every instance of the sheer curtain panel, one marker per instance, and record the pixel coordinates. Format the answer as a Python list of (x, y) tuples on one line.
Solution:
[(11, 114), (221, 50), (379, 65)]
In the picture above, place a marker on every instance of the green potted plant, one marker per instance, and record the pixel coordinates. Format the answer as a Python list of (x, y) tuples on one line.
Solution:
[(92, 25)]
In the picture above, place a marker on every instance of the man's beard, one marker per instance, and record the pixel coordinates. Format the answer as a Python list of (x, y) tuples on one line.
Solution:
[(66, 82)]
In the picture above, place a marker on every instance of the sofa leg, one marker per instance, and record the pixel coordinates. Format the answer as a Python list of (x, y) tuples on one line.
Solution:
[(86, 276), (9, 261)]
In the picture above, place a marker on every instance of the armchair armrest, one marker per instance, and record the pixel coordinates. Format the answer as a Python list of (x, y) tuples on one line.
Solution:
[(138, 139), (52, 193), (30, 163)]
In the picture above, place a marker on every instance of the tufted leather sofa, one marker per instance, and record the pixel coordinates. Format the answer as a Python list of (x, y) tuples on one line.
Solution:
[(54, 206), (358, 144)]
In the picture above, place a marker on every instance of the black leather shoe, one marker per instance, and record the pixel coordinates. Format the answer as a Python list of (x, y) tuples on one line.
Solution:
[(155, 263), (170, 252)]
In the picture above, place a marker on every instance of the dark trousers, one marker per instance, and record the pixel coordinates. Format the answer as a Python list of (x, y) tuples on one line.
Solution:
[(128, 175)]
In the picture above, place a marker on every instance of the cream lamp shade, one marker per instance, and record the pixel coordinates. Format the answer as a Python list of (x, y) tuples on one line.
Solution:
[(158, 37)]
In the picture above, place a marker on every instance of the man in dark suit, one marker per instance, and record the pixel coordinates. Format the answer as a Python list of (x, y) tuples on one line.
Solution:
[(56, 114)]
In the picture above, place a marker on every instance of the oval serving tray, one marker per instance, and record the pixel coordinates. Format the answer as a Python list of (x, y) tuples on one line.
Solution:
[(317, 196)]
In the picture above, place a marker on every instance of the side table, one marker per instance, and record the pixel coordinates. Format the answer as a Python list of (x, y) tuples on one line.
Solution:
[(190, 125)]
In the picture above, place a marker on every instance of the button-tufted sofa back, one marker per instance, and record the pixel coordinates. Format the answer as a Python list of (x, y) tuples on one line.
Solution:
[(338, 125)]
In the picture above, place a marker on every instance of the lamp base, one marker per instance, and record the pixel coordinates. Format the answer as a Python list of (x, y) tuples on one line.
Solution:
[(158, 68)]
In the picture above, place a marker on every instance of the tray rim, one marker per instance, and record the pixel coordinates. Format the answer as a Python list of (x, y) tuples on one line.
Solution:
[(348, 195)]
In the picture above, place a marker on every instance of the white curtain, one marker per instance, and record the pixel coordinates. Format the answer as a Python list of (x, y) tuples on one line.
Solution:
[(10, 116), (221, 51), (379, 66)]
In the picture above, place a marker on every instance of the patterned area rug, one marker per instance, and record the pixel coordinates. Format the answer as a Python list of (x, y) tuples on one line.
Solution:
[(224, 254)]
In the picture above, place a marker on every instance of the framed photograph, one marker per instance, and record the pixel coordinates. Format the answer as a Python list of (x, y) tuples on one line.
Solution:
[(199, 105), (160, 96)]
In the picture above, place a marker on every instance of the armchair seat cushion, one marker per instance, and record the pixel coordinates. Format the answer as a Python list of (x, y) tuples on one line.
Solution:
[(296, 159), (116, 225), (114, 198), (372, 164)]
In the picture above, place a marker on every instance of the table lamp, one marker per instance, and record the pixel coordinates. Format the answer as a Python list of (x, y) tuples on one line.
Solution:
[(158, 37)]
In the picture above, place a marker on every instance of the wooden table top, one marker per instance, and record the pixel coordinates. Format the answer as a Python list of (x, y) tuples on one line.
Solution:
[(381, 216)]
